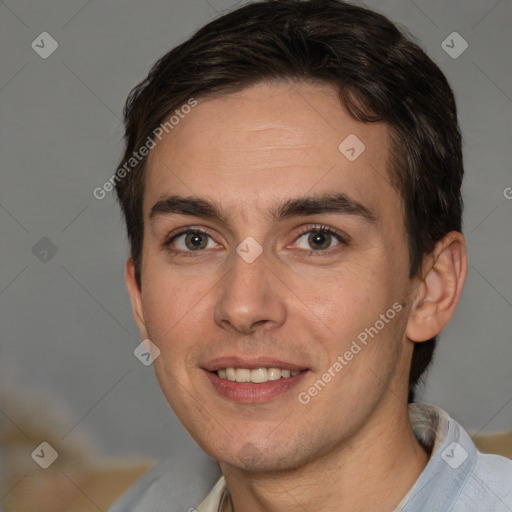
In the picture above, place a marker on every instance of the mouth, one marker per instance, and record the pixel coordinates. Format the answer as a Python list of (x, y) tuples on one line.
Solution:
[(255, 381)]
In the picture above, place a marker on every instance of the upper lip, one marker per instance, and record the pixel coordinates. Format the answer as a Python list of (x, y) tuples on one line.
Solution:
[(251, 363)]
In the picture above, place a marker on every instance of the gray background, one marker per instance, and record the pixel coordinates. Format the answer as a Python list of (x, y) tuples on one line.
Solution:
[(66, 355)]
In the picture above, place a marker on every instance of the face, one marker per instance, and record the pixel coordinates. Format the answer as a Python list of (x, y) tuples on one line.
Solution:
[(271, 249)]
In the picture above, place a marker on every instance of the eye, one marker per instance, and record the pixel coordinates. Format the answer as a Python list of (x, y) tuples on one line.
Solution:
[(320, 239), (190, 240)]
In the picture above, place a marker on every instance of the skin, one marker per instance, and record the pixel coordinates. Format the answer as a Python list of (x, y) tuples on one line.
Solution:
[(351, 447)]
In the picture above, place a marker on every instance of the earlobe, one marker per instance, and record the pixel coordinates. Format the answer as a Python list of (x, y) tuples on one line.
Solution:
[(440, 289), (135, 297)]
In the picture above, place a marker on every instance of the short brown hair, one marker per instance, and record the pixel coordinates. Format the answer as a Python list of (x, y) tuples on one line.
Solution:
[(380, 75)]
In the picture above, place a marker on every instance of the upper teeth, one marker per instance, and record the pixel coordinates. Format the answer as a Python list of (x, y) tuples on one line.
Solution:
[(256, 375)]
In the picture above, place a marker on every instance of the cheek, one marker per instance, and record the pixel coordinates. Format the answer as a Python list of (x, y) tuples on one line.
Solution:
[(349, 296), (170, 304), (350, 305)]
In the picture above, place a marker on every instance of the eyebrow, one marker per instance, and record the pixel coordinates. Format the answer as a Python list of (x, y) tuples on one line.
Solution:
[(340, 204)]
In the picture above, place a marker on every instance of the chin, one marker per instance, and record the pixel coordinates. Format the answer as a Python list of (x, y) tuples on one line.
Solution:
[(267, 459)]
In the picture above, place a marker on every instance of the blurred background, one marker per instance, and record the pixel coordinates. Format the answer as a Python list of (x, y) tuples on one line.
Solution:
[(68, 375)]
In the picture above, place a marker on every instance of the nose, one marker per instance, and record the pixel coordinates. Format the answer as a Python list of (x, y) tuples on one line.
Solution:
[(250, 297)]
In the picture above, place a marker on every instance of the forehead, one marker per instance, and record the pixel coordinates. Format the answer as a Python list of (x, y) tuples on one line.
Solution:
[(267, 141)]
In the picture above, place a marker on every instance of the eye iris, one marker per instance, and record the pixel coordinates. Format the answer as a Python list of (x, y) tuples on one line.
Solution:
[(195, 240), (198, 240), (319, 238)]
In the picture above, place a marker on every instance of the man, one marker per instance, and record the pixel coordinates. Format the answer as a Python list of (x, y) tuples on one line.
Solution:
[(291, 188)]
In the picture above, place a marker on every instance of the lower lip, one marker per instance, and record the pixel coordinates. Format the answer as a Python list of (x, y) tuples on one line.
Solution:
[(251, 393)]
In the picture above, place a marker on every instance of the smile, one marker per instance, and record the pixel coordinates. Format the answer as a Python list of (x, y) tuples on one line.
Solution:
[(256, 375), (254, 385)]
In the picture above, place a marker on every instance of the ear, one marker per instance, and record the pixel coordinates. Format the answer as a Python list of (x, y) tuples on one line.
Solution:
[(444, 272), (135, 297)]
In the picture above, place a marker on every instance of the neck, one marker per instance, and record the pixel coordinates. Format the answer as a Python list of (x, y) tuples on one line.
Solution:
[(371, 471)]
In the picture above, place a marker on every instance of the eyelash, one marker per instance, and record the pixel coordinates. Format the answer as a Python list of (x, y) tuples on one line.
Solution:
[(320, 228), (343, 239)]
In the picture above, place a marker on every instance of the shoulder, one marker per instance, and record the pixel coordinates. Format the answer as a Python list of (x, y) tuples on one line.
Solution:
[(458, 477), (178, 483), (489, 485)]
